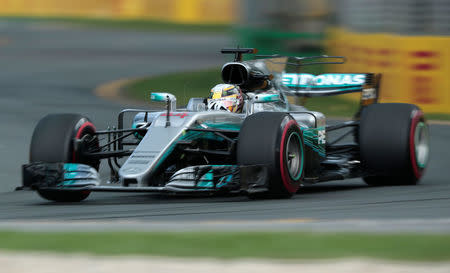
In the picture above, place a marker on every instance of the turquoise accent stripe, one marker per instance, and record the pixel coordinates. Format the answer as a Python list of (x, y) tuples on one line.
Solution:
[(268, 97), (71, 175), (325, 86), (311, 139), (157, 97), (67, 183), (319, 87), (71, 167)]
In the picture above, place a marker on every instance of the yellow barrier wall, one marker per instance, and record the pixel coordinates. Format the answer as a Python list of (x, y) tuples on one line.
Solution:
[(415, 69), (180, 11)]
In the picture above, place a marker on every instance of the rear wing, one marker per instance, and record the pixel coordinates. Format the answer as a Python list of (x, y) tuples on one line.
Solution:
[(308, 85), (284, 73)]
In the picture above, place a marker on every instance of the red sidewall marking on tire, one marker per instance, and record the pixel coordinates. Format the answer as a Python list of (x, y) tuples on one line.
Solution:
[(412, 145), (287, 181), (80, 133)]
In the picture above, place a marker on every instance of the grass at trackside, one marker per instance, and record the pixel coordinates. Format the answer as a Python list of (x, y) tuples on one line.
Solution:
[(278, 245), (131, 24), (433, 116), (185, 85)]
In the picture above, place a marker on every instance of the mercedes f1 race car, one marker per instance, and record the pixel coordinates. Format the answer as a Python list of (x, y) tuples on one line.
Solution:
[(270, 149)]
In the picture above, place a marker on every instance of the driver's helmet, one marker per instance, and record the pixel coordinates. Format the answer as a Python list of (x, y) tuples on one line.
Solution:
[(226, 97)]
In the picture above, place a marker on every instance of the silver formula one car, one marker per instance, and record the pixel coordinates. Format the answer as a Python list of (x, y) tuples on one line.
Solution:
[(270, 149)]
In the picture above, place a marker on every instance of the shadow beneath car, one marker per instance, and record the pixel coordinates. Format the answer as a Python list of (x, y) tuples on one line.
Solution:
[(102, 198), (117, 198), (331, 187)]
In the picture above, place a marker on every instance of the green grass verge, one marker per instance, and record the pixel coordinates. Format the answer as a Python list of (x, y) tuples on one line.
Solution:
[(185, 85), (278, 245), (437, 116), (132, 24)]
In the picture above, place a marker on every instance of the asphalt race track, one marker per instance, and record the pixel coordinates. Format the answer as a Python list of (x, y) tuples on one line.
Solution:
[(53, 68)]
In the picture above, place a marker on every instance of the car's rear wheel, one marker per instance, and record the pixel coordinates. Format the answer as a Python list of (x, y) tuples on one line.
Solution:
[(274, 140), (53, 141), (394, 144)]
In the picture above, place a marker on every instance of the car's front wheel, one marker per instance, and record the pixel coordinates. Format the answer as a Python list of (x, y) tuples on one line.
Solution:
[(276, 141), (53, 141)]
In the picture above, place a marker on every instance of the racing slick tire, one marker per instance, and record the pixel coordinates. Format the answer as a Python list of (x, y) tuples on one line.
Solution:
[(276, 141), (394, 144), (53, 141)]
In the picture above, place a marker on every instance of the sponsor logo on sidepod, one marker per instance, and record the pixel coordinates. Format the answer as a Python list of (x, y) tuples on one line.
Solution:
[(324, 80)]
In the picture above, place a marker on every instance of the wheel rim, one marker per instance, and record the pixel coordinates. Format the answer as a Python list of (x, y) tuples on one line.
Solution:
[(294, 156), (421, 144), (87, 128)]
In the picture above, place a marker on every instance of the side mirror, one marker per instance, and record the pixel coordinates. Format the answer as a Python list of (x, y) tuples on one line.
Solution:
[(262, 98), (165, 97)]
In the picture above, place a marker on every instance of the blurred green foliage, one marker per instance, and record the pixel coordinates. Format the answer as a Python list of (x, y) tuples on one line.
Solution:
[(130, 24)]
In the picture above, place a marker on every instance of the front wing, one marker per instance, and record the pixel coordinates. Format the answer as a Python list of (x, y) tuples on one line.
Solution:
[(194, 179)]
